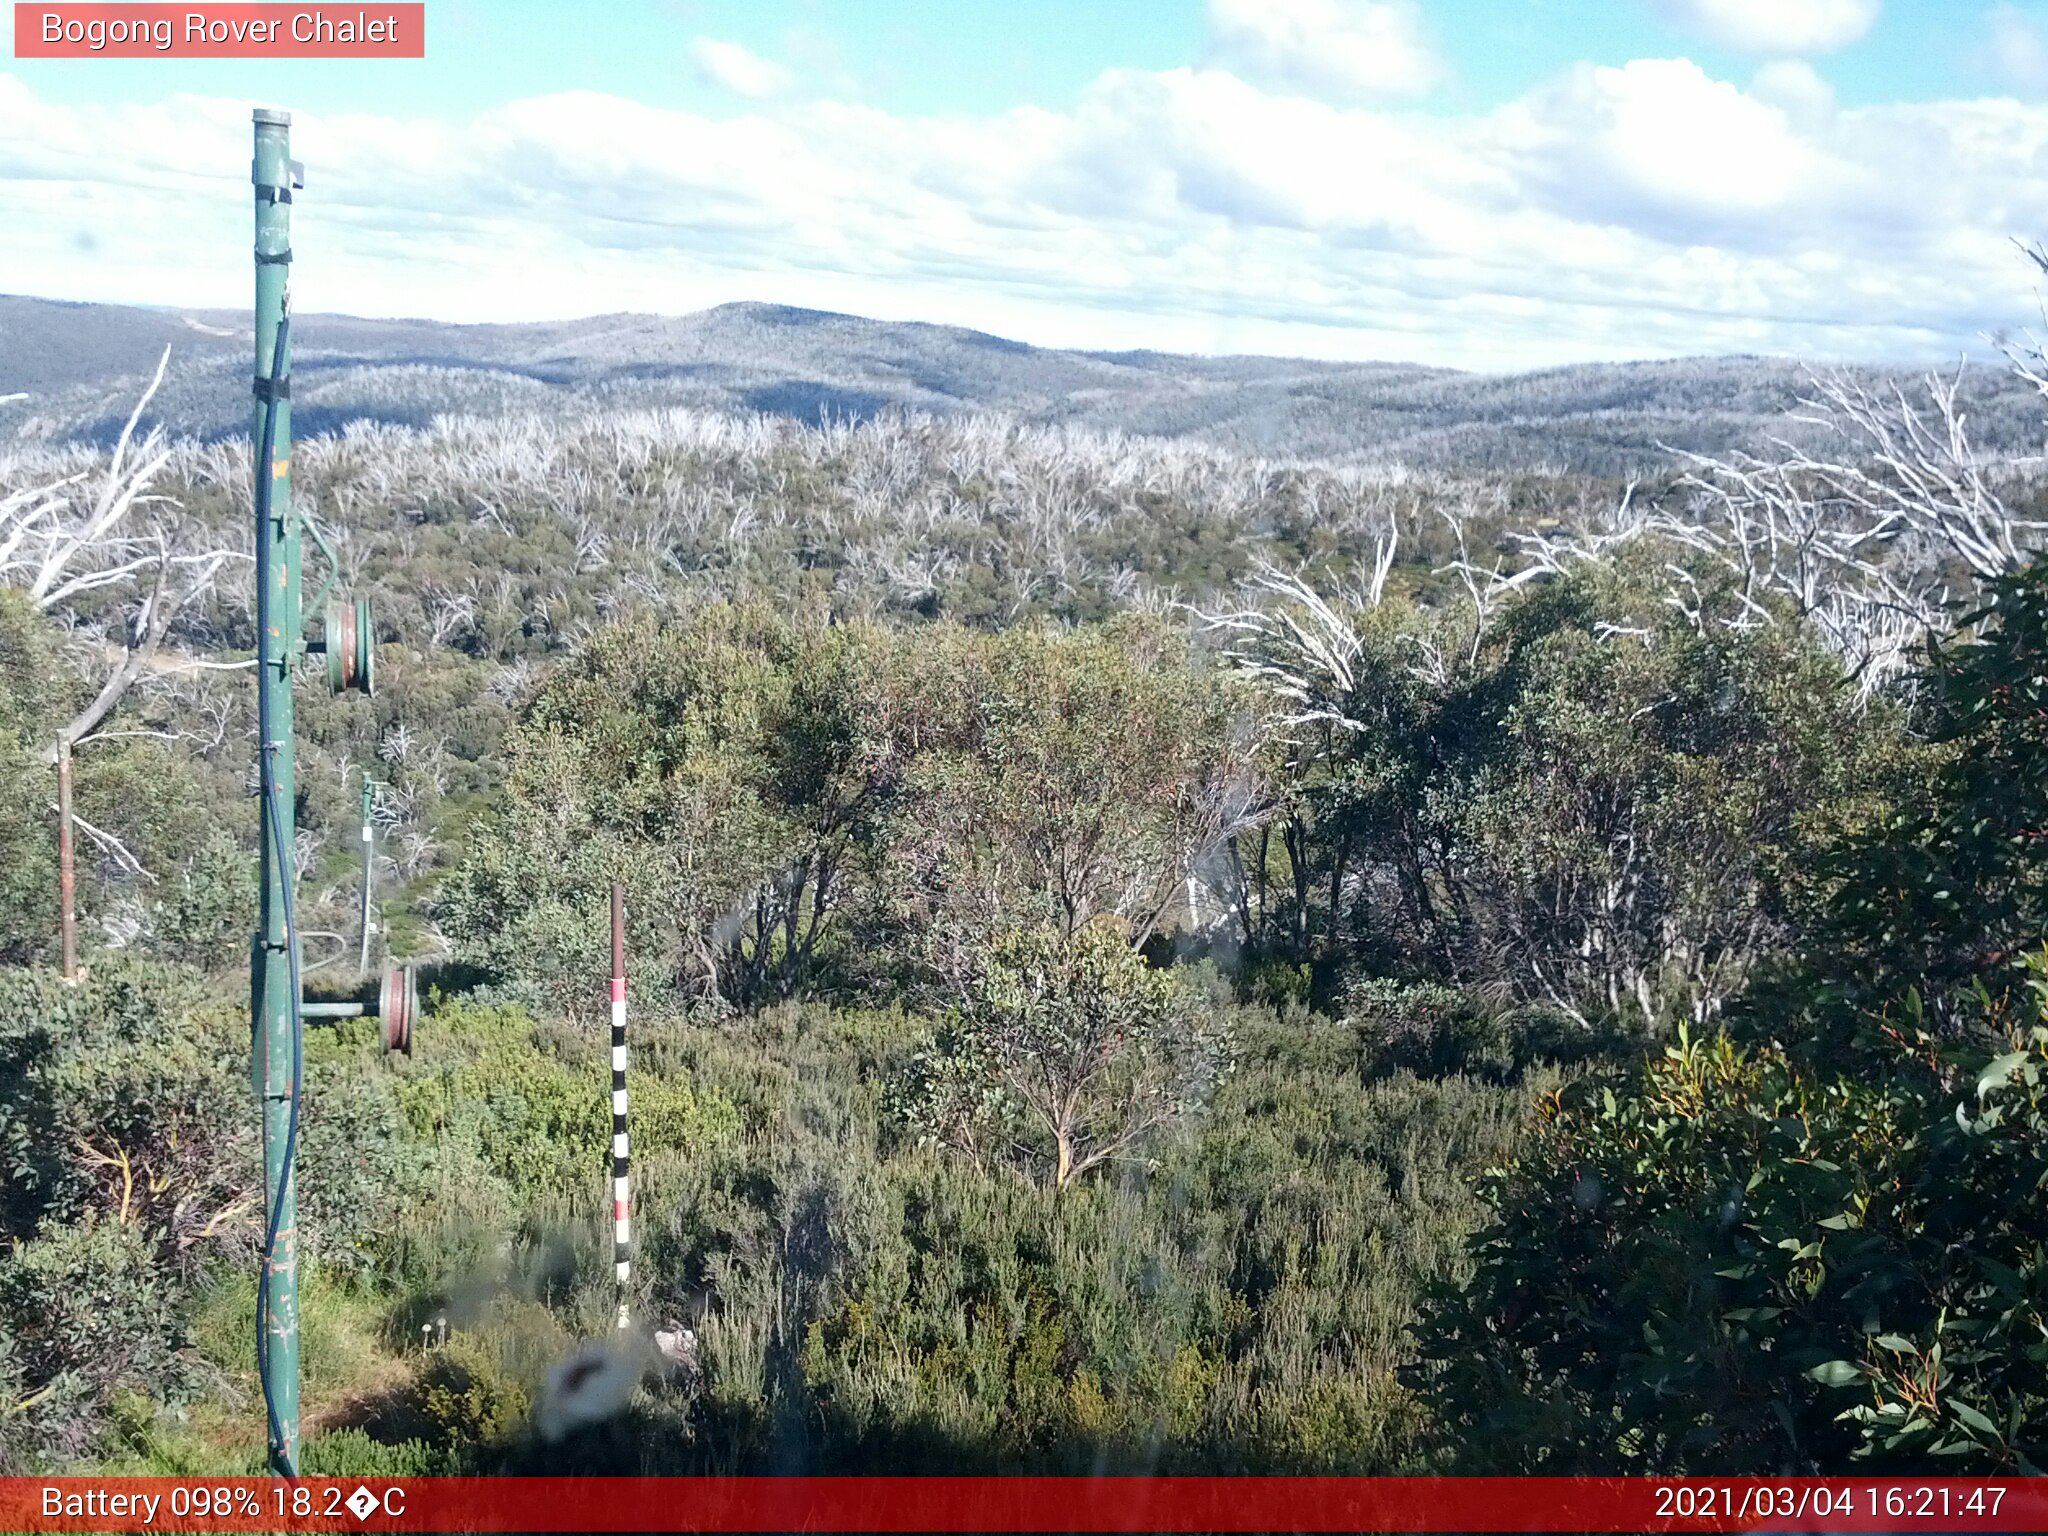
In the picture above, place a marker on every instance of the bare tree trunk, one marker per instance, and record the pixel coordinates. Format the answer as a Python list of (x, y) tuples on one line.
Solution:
[(1265, 846), (1337, 871), (1243, 891), (67, 864), (1294, 836), (66, 549)]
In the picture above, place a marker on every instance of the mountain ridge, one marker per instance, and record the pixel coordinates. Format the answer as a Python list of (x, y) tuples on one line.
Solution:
[(81, 365)]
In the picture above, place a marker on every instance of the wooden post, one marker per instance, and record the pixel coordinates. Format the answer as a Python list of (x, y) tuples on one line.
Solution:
[(67, 863)]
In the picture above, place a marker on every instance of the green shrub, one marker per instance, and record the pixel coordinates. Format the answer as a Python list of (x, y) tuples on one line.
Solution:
[(1435, 1030), (457, 1413), (357, 1178), (1428, 1029), (351, 1453), (88, 1314), (1736, 1262), (206, 915), (1235, 1304), (127, 1095), (482, 1087)]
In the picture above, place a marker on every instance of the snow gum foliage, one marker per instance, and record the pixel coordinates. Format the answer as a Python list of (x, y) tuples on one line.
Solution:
[(1080, 1039), (1816, 1239), (799, 805)]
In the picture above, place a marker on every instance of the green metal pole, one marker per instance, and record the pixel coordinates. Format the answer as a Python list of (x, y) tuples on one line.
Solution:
[(275, 957)]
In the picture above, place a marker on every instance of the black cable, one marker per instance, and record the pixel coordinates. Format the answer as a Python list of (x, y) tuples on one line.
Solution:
[(273, 818)]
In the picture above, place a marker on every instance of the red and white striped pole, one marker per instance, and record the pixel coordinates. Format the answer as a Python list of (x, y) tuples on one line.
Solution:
[(622, 1199)]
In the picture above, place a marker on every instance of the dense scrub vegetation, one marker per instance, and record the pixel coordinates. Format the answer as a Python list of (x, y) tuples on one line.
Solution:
[(1557, 985), (1815, 1237)]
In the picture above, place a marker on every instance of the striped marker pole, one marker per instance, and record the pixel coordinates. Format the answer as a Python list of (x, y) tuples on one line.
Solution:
[(622, 1200)]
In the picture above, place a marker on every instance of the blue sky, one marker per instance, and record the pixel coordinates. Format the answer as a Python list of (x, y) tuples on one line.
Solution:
[(924, 57), (1488, 183)]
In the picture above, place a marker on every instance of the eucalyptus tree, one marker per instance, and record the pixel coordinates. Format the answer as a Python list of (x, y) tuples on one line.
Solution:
[(77, 546), (728, 767), (1067, 1050), (1557, 786), (1061, 777)]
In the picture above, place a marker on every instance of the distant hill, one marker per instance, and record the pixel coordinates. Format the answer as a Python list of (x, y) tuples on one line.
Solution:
[(82, 364)]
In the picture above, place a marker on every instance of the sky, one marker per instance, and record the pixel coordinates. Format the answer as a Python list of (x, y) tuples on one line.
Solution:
[(1486, 184)]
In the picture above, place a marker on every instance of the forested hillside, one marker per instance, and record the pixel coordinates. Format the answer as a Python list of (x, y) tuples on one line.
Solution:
[(81, 366), (1145, 957)]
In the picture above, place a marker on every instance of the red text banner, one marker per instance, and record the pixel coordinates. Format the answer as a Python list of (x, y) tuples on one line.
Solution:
[(1020, 1504), (216, 31)]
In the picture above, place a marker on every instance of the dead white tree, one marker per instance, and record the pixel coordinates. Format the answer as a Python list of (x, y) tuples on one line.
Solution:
[(1867, 539), (1302, 651), (1300, 647), (82, 537), (1870, 542)]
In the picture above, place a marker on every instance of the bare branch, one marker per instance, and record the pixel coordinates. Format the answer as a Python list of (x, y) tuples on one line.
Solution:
[(111, 844)]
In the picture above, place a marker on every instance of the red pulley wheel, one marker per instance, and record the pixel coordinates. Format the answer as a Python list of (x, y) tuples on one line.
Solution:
[(351, 647), (397, 1006)]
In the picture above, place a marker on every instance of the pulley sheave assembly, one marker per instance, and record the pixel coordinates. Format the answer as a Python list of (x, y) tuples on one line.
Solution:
[(398, 1004), (351, 646), (396, 1009)]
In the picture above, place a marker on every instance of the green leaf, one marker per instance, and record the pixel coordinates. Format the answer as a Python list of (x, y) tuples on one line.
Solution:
[(1999, 1070), (2003, 1276), (1973, 1418), (1836, 1373), (1897, 1345)]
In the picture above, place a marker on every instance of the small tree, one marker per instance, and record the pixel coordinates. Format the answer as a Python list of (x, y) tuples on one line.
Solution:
[(1087, 1048), (728, 767), (1063, 778), (71, 552), (1950, 883)]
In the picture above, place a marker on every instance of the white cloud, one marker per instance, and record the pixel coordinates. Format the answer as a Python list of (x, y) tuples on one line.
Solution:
[(740, 70), (2015, 48), (1797, 89), (1649, 209), (1660, 144), (1342, 50), (1775, 26)]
